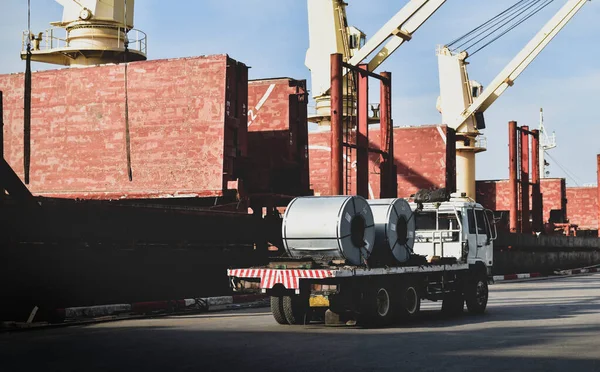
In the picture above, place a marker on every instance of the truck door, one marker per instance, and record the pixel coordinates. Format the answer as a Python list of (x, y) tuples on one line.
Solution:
[(484, 235), (493, 233), (478, 234), (471, 233)]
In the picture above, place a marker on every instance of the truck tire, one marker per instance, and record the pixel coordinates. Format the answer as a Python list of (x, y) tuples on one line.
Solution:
[(410, 301), (379, 306), (295, 309), (477, 294), (453, 304), (277, 310)]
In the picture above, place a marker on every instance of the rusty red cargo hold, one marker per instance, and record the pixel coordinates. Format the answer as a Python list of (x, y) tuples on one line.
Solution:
[(495, 195), (583, 207), (187, 120), (277, 137), (425, 158)]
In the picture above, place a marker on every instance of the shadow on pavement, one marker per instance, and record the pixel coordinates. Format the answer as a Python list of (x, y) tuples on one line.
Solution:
[(562, 333)]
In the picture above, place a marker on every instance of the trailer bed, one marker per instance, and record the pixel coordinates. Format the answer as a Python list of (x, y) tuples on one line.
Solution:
[(290, 278)]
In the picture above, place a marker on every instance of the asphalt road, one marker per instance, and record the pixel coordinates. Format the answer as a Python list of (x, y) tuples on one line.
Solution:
[(545, 325)]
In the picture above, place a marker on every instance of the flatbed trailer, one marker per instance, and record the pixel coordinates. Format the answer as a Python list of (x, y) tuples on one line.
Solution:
[(372, 296)]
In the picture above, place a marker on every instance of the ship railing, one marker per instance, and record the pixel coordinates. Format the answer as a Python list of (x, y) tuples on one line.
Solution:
[(58, 37)]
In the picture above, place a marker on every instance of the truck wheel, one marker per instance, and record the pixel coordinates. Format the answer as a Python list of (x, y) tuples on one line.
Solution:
[(477, 294), (295, 309), (277, 310), (453, 304), (379, 306), (410, 301)]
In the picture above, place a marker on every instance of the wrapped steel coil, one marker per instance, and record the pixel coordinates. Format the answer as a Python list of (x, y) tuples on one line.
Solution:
[(329, 228), (394, 229)]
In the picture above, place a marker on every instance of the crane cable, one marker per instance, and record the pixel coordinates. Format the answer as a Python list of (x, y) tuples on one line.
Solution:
[(127, 130), (498, 26), (453, 42), (568, 173), (508, 16), (531, 14), (27, 102), (518, 11), (78, 3)]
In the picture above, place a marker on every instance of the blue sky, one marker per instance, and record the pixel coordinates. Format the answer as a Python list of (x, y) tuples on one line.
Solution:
[(272, 37)]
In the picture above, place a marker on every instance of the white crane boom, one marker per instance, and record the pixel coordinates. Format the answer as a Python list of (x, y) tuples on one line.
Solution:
[(462, 103), (510, 73), (330, 33), (400, 28)]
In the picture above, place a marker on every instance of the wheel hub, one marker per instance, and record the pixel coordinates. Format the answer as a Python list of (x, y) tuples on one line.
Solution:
[(411, 300), (383, 302)]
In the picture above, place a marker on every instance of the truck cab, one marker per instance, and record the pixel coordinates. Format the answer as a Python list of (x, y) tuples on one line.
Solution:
[(457, 229)]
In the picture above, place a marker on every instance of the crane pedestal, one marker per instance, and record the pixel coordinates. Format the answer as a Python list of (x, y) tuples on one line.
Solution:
[(91, 32), (468, 145)]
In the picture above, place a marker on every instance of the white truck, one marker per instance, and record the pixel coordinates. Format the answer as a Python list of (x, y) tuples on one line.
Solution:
[(448, 257)]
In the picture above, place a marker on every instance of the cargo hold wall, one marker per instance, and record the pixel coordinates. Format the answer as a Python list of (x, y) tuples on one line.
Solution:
[(187, 123), (495, 195), (583, 208), (425, 158), (277, 137)]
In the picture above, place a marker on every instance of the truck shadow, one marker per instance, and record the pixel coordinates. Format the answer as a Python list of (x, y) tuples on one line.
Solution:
[(241, 344), (546, 331)]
